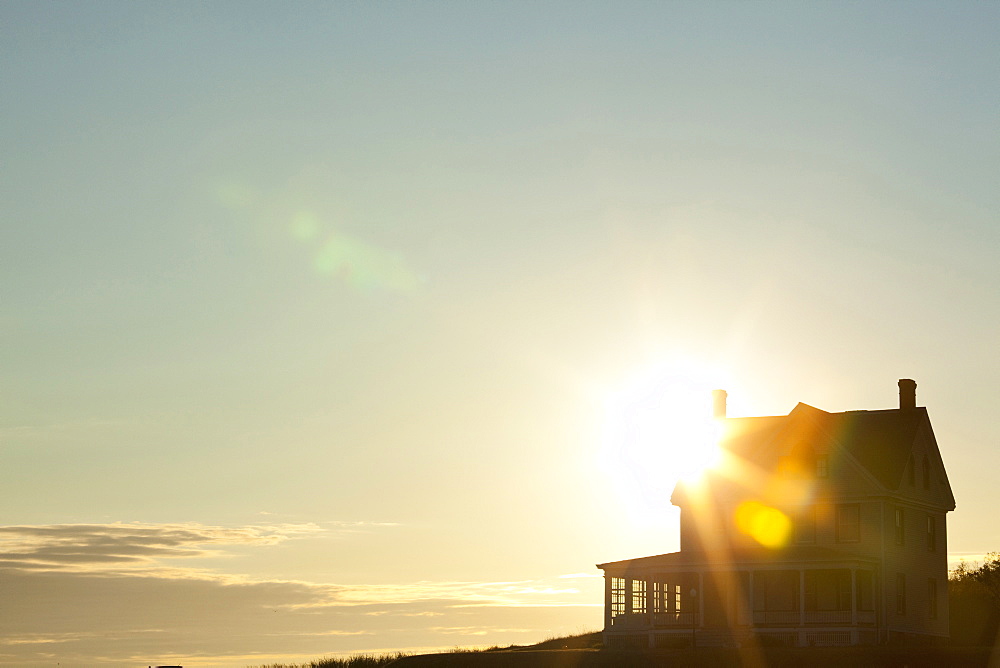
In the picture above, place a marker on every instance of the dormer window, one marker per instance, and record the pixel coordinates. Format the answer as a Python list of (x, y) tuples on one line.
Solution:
[(822, 467)]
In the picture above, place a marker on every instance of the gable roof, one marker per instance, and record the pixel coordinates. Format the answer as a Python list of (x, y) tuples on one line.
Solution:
[(879, 441)]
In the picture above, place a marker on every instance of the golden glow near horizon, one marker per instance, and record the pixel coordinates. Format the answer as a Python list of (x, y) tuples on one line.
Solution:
[(659, 430)]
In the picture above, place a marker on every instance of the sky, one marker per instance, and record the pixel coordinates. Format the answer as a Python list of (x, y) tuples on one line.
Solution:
[(315, 315)]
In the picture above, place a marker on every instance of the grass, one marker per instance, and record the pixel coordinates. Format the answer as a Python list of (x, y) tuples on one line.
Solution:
[(353, 661), (581, 640)]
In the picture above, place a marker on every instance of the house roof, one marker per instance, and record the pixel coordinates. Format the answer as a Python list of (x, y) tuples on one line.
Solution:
[(879, 441), (749, 555)]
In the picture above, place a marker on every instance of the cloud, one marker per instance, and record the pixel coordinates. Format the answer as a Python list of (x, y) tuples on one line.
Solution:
[(96, 547), (971, 559), (125, 592)]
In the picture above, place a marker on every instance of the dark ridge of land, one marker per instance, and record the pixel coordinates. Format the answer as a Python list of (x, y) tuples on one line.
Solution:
[(593, 640), (710, 657)]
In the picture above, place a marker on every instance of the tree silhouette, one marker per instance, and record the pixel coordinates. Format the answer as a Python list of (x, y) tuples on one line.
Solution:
[(974, 601)]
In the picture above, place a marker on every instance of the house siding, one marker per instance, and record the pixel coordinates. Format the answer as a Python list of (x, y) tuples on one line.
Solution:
[(920, 565)]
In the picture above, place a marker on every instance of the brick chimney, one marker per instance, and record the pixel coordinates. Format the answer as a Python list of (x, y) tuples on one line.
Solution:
[(719, 403), (907, 394)]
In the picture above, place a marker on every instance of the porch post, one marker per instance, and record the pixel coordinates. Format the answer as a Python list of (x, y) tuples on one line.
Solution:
[(649, 610), (751, 604), (650, 586), (854, 597), (701, 599), (607, 601), (802, 597)]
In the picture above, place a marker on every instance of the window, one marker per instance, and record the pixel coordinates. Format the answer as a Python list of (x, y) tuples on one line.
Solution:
[(666, 596), (911, 471), (617, 597), (927, 472), (931, 534), (848, 523), (827, 589), (932, 612), (805, 526), (900, 593), (866, 590), (822, 467), (639, 597), (682, 592), (776, 590), (900, 536), (809, 594)]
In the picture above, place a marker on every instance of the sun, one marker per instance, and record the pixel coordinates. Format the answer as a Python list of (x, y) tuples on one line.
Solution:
[(659, 429)]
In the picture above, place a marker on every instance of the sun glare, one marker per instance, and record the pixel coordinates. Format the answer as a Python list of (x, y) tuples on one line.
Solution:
[(659, 429)]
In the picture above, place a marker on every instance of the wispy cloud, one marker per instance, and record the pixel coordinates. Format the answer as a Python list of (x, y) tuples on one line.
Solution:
[(473, 630), (103, 547), (970, 558), (117, 592)]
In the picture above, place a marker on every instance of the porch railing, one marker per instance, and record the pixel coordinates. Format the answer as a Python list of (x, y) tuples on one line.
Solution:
[(828, 616), (687, 619), (630, 620), (760, 618), (838, 617), (776, 617)]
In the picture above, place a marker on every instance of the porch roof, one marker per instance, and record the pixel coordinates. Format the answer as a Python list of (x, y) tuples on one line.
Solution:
[(792, 555)]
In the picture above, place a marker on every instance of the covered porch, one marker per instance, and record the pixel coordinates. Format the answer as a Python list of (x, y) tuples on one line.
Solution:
[(665, 603)]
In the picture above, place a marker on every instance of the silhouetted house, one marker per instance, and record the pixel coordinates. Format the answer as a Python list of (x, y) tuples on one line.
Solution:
[(819, 529)]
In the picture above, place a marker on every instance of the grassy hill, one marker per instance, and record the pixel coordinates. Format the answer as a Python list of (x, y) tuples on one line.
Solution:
[(585, 651), (820, 657)]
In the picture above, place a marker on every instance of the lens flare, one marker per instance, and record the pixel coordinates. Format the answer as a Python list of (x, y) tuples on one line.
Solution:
[(363, 265), (350, 259), (305, 226), (768, 526)]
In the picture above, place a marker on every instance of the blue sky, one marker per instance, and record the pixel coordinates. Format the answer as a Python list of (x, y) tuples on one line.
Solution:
[(344, 288)]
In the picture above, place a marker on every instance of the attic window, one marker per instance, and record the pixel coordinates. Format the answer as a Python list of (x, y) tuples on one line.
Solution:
[(911, 472), (927, 472), (822, 467)]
